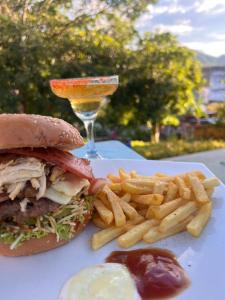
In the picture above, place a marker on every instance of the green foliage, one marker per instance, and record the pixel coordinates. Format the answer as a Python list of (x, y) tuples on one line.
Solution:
[(175, 147), (44, 39), (221, 114)]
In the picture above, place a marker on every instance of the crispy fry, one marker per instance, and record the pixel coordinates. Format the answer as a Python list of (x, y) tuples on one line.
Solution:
[(133, 204), (137, 220), (103, 197), (184, 191), (99, 222), (154, 235), (104, 236), (209, 192), (118, 213), (198, 223), (105, 214), (129, 210), (198, 189), (150, 199), (149, 213), (113, 178), (123, 174), (171, 192), (211, 183), (126, 197), (177, 216), (159, 187), (197, 173), (135, 234), (156, 178), (143, 211), (135, 188), (160, 211), (159, 174), (133, 174), (115, 187)]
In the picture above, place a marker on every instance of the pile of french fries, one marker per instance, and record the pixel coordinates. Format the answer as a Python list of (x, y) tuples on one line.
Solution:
[(131, 207)]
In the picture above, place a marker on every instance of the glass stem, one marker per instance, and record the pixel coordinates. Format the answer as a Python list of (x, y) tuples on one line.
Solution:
[(89, 126)]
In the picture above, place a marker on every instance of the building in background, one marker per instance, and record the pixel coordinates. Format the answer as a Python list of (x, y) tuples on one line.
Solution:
[(215, 87)]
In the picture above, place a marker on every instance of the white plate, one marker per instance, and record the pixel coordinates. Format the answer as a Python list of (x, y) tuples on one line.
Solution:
[(40, 277)]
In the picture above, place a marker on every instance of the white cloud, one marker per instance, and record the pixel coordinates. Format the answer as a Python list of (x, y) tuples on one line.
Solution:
[(210, 6), (172, 8), (183, 27), (218, 36), (215, 48)]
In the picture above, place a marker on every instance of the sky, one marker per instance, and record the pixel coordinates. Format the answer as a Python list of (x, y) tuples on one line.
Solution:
[(198, 24)]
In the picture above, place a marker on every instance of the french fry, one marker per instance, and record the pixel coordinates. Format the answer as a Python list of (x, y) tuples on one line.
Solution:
[(154, 235), (115, 187), (141, 182), (123, 174), (198, 223), (184, 191), (113, 178), (105, 214), (136, 189), (143, 212), (103, 197), (211, 183), (160, 211), (197, 173), (149, 213), (209, 192), (99, 222), (159, 187), (198, 189), (133, 204), (104, 236), (128, 210), (133, 174), (171, 192), (137, 220), (135, 234), (178, 215), (150, 199), (156, 178), (118, 213), (159, 174), (126, 197)]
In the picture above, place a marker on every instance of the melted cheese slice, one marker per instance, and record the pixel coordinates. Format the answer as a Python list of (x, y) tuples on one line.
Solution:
[(108, 281), (57, 197), (64, 190)]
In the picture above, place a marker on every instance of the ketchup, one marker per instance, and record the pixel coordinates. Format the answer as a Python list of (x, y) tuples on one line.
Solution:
[(156, 272)]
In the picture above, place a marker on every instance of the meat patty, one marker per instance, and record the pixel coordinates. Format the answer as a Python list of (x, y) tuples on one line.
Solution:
[(12, 209), (4, 197)]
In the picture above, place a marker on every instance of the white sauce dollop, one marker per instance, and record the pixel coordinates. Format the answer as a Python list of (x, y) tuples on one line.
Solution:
[(109, 281)]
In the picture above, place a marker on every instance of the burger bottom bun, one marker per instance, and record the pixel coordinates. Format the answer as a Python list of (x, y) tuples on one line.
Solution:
[(34, 246)]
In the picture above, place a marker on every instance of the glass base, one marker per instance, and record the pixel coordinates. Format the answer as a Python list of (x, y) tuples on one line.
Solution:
[(93, 155)]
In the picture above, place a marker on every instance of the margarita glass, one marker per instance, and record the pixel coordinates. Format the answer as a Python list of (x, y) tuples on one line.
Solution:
[(86, 96)]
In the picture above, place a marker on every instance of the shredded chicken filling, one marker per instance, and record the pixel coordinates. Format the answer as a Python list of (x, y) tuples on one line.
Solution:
[(56, 185)]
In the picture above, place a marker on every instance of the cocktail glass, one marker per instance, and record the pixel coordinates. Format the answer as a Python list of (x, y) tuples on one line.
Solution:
[(86, 96)]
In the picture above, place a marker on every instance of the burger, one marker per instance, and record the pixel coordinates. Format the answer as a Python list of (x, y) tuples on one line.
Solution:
[(45, 196)]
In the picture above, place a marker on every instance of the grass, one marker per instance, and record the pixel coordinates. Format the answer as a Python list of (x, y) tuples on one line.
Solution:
[(175, 147)]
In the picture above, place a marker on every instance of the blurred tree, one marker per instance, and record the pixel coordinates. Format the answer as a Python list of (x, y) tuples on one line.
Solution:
[(43, 39), (221, 114), (163, 81)]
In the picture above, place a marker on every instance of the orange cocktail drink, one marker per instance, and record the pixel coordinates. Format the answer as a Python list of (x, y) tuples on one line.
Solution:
[(86, 96)]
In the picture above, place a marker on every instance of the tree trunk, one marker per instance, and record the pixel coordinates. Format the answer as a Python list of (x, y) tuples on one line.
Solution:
[(155, 134)]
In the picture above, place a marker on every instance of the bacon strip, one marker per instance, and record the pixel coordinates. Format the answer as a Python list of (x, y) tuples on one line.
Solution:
[(65, 160)]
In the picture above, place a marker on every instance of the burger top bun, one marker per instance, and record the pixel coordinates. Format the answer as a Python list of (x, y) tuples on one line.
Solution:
[(22, 130)]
